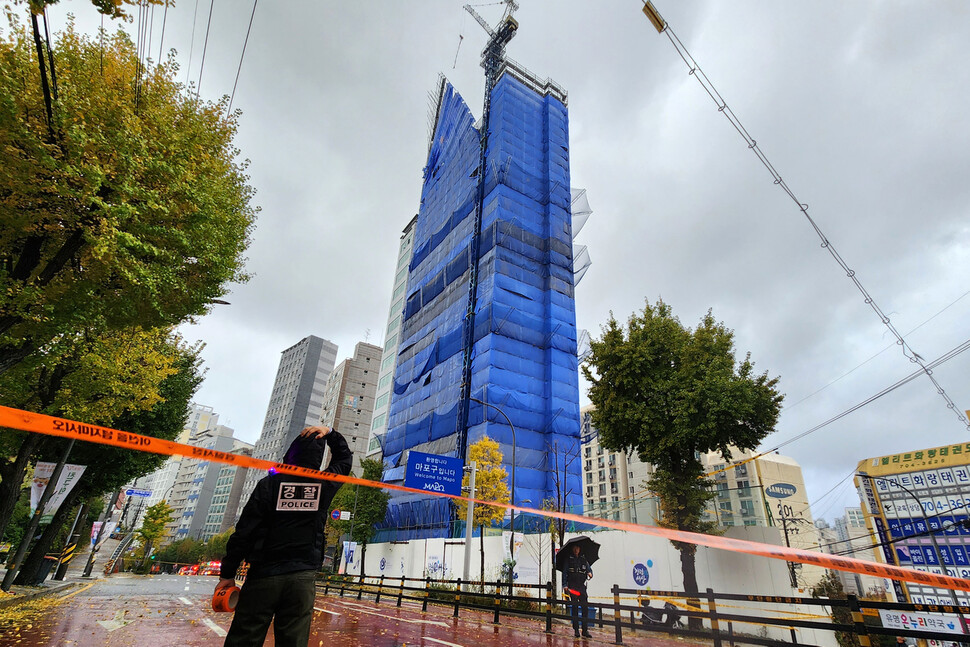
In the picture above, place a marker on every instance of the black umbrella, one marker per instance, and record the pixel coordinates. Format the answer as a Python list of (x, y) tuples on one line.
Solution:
[(587, 548)]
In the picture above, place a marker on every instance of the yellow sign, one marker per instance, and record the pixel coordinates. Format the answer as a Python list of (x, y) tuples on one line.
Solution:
[(945, 456)]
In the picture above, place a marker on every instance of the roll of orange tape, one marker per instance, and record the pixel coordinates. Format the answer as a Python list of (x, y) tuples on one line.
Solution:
[(225, 599)]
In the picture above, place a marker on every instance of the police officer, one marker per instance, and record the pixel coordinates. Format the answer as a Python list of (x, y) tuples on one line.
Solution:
[(280, 533), (576, 572)]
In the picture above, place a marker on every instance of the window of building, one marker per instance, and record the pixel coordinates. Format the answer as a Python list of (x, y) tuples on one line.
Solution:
[(589, 465), (379, 421), (589, 492), (589, 477), (385, 381), (602, 489), (588, 452), (401, 275), (381, 401), (599, 462), (612, 473), (390, 343), (599, 451), (602, 475), (614, 488)]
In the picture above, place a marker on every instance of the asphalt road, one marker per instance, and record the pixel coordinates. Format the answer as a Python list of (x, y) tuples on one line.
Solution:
[(163, 610)]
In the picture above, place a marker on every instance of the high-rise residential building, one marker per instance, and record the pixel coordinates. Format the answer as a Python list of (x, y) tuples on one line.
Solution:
[(160, 482), (614, 483), (851, 537), (295, 403), (225, 495), (765, 491), (392, 342), (348, 403), (915, 506), (496, 307), (196, 483)]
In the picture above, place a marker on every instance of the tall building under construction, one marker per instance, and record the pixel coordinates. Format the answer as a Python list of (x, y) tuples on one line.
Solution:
[(523, 358)]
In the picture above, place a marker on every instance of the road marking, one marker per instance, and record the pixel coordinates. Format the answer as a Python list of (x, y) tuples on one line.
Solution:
[(80, 590), (362, 609), (443, 642), (333, 613), (117, 623), (219, 631), (185, 601)]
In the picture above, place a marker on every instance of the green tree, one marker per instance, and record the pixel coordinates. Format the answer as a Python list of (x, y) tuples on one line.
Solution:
[(108, 468), (369, 506), (153, 525), (830, 586), (670, 394), (182, 552), (215, 548), (135, 214), (490, 485)]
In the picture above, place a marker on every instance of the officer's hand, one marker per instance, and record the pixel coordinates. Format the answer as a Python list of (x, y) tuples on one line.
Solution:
[(315, 432), (589, 575), (225, 583)]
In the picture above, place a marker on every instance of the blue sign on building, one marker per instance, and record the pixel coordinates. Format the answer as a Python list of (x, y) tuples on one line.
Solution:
[(434, 473), (134, 492)]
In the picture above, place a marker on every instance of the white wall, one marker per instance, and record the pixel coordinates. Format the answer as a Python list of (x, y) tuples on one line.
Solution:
[(621, 555)]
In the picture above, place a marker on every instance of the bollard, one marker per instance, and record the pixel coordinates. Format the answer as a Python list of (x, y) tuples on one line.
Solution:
[(617, 617), (731, 633), (458, 597), (326, 585), (360, 587), (712, 607), (549, 607), (498, 599), (342, 582), (400, 592), (427, 593), (380, 590)]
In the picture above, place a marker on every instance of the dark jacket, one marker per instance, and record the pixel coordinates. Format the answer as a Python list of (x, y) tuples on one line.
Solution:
[(281, 527), (576, 573)]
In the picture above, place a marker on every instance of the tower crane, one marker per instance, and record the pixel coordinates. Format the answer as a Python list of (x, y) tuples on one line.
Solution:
[(492, 58)]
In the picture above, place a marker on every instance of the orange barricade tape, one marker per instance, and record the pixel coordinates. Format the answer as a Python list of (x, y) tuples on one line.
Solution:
[(39, 423)]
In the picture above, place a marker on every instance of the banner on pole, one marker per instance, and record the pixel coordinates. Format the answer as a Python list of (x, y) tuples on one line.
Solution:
[(70, 475)]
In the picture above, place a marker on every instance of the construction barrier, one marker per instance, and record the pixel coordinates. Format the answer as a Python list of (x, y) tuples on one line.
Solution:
[(51, 426)]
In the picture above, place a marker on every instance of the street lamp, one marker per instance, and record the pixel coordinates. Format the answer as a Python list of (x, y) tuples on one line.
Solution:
[(932, 533), (512, 498)]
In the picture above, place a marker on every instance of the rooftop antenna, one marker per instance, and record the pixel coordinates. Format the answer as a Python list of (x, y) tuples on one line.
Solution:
[(493, 56)]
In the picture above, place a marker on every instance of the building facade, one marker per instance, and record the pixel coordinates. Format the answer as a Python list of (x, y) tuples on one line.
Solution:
[(523, 330), (915, 508), (296, 402), (230, 481), (348, 403), (614, 483), (161, 482), (392, 342)]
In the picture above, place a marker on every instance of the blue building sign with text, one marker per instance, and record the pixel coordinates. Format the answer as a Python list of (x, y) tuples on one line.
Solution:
[(434, 473)]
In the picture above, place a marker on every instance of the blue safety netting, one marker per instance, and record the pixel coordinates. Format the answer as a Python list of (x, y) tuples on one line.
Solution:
[(524, 353)]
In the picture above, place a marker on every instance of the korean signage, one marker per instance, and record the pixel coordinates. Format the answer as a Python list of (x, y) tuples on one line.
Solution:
[(434, 473), (134, 492), (299, 497), (70, 475), (913, 620)]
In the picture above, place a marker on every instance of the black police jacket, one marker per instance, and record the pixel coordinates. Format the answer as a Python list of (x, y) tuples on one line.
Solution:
[(281, 527), (576, 573)]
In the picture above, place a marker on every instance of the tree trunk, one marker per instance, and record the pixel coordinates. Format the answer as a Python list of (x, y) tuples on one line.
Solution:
[(35, 558), (688, 555), (363, 553), (12, 475)]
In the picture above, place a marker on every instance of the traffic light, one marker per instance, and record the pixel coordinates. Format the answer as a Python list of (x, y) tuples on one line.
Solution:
[(152, 557)]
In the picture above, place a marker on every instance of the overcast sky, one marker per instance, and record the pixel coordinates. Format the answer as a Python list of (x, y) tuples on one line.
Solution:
[(862, 108)]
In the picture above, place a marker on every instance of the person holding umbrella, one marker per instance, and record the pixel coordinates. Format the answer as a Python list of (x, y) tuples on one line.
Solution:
[(574, 560)]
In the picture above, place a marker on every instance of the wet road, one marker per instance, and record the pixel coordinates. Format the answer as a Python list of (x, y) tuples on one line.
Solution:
[(175, 610)]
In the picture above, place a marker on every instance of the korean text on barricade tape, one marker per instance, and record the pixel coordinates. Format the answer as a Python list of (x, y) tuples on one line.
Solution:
[(38, 423)]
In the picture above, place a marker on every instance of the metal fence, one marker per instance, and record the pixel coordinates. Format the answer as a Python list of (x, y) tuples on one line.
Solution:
[(732, 618)]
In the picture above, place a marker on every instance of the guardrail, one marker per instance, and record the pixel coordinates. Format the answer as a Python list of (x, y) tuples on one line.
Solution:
[(723, 622)]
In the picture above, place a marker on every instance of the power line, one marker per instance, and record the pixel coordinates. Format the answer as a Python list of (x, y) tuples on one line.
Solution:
[(847, 373), (241, 57), (725, 109), (195, 17), (205, 46)]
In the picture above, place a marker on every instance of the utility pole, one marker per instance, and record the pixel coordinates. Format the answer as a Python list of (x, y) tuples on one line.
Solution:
[(469, 525), (791, 565), (70, 548)]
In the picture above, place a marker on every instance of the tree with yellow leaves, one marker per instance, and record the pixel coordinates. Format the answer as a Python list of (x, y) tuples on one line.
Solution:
[(490, 485)]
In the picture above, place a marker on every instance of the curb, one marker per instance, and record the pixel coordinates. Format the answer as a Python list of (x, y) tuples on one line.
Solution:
[(32, 595)]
